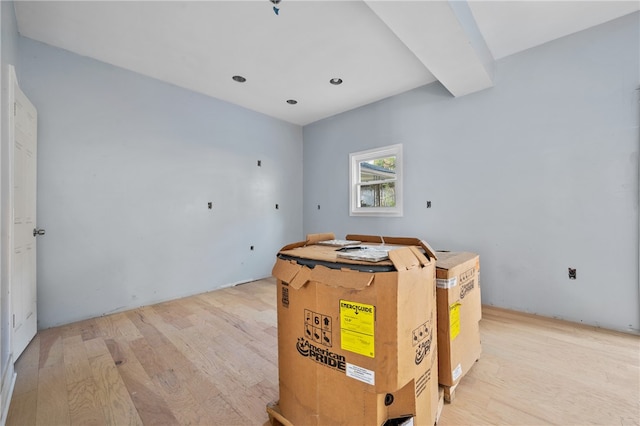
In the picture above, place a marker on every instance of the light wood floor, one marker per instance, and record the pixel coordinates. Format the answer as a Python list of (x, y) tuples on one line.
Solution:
[(211, 359)]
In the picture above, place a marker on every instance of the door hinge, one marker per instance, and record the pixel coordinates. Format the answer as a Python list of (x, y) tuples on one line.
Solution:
[(14, 109), (14, 321)]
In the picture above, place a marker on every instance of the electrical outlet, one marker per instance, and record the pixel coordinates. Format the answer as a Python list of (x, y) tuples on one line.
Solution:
[(572, 274), (210, 205)]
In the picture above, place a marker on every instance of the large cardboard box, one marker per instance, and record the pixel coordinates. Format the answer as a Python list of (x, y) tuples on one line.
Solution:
[(357, 340), (459, 314)]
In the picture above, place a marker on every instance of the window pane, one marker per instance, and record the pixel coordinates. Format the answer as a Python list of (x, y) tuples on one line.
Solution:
[(378, 169), (378, 195), (375, 179)]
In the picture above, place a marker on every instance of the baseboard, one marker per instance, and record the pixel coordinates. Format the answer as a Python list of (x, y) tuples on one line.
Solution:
[(6, 390)]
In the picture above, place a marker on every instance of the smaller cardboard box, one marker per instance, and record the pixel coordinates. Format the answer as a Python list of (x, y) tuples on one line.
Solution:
[(459, 313)]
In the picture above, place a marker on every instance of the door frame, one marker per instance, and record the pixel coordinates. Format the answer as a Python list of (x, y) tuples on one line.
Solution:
[(9, 375)]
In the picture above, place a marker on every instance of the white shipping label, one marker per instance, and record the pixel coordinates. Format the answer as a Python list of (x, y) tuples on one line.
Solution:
[(456, 373), (444, 283), (362, 374)]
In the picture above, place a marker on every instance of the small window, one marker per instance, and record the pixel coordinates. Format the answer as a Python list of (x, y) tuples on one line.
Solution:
[(376, 182)]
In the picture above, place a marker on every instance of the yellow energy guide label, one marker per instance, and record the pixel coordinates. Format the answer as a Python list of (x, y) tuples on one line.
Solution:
[(454, 320), (357, 323)]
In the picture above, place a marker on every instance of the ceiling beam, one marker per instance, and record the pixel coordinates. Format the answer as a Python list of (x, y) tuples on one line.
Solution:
[(444, 37)]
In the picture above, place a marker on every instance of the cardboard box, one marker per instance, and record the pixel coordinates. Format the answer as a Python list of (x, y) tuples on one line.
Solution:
[(459, 313), (356, 343)]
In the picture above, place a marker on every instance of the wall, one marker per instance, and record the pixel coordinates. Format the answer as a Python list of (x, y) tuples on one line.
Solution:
[(537, 174), (126, 167)]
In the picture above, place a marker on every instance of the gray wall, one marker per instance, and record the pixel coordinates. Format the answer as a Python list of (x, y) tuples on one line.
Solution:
[(9, 55), (126, 168), (537, 174)]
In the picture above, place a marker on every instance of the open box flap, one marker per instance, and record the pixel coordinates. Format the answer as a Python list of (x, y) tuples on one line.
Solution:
[(314, 238), (311, 239), (407, 258), (285, 270), (294, 245)]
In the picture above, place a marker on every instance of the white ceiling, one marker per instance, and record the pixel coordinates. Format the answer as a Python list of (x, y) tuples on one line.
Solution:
[(378, 48)]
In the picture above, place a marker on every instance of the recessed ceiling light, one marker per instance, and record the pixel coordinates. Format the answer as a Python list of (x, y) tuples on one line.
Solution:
[(335, 81), (292, 101), (239, 78)]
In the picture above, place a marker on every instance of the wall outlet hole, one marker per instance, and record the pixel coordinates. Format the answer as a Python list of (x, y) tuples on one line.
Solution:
[(259, 163), (572, 274)]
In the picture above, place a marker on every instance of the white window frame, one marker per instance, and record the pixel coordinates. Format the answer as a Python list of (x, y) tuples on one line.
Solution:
[(355, 159)]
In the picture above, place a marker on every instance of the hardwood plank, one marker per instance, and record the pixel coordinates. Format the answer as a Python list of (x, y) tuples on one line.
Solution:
[(151, 407), (87, 329), (76, 361), (188, 343), (29, 366), (180, 400), (91, 330), (174, 313), (198, 316), (84, 404), (84, 407), (52, 406), (118, 325), (234, 358), (143, 318), (117, 405), (50, 347), (225, 413), (273, 332), (22, 410), (149, 360), (188, 373)]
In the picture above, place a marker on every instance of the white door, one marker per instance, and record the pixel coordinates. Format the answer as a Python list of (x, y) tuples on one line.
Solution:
[(23, 127)]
